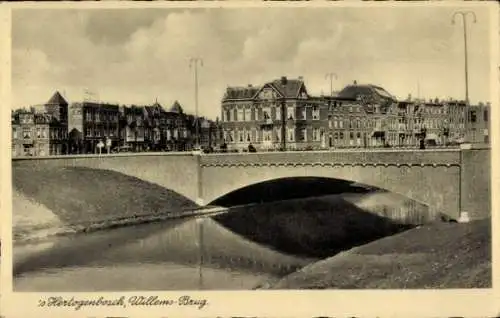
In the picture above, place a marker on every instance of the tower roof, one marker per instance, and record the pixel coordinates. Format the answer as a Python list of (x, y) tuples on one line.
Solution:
[(353, 91), (176, 108), (57, 99)]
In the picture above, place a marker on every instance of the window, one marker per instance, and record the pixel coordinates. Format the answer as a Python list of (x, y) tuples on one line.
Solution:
[(44, 132), (88, 132), (240, 114), (266, 134), (98, 133), (38, 133), (14, 132), (335, 122), (485, 115), (315, 113), (304, 135), (278, 134), (473, 116), (231, 136), (255, 135), (291, 134), (304, 113), (290, 113), (235, 115), (248, 114), (228, 116), (316, 134), (240, 136), (278, 113), (266, 113), (341, 123)]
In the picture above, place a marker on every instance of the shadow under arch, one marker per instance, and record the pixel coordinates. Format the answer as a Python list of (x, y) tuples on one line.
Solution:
[(306, 216), (286, 188)]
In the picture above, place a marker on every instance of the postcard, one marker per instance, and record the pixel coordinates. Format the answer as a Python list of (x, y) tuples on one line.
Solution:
[(250, 159)]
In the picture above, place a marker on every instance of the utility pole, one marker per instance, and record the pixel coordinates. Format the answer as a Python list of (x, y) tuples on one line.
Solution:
[(331, 76), (194, 62), (464, 15)]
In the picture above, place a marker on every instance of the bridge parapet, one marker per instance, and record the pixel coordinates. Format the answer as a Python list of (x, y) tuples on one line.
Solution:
[(313, 158)]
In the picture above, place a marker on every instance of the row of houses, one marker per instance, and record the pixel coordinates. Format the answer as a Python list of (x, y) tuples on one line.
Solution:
[(277, 114), (57, 128), (358, 116)]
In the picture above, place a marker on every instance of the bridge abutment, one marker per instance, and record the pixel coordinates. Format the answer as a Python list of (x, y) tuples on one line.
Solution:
[(475, 183)]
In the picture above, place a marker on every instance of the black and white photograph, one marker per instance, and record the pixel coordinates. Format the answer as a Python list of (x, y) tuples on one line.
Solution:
[(226, 148)]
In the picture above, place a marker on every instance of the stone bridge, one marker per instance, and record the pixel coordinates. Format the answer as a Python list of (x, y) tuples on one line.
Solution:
[(449, 181)]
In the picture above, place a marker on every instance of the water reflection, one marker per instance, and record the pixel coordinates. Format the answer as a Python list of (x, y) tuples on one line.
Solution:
[(238, 250)]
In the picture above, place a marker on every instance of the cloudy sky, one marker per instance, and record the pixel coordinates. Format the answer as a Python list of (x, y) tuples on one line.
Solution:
[(138, 55)]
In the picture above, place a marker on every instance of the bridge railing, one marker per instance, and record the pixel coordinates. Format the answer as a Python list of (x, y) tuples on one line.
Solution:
[(234, 151)]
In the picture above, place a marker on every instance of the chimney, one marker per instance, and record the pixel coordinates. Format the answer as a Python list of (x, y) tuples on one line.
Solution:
[(355, 82), (284, 80), (250, 85), (301, 78)]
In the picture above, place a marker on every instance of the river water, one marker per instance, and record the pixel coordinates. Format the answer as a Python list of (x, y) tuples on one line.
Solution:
[(185, 254)]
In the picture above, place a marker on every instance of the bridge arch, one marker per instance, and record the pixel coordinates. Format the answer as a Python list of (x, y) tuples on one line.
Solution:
[(294, 188), (427, 184)]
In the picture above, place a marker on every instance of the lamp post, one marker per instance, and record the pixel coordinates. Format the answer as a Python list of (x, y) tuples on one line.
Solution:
[(194, 62), (331, 76), (284, 81), (464, 15)]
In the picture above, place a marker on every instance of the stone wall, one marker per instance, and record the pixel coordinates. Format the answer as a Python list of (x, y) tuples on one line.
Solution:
[(178, 172)]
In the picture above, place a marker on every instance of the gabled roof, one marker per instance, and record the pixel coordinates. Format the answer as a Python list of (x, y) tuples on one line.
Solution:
[(291, 89), (57, 99), (176, 108)]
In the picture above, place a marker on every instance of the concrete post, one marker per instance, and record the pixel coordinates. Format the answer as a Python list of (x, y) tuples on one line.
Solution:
[(199, 181)]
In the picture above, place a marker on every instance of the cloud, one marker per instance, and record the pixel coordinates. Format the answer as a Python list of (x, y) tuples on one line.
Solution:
[(135, 56)]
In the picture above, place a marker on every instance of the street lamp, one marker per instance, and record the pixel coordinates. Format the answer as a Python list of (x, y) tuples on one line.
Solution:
[(194, 62), (284, 81), (464, 15), (331, 76)]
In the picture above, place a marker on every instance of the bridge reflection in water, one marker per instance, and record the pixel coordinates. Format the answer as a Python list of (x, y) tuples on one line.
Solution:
[(242, 249)]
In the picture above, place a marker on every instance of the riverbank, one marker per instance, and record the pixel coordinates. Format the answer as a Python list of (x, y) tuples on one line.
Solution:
[(440, 255), (80, 199)]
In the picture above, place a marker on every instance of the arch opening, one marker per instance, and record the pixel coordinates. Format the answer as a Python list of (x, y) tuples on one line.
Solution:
[(316, 217), (289, 188)]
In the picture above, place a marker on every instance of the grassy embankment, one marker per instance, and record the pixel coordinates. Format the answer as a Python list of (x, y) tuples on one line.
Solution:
[(89, 199), (440, 255)]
